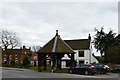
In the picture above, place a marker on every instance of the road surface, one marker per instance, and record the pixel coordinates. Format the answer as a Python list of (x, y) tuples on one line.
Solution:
[(24, 73)]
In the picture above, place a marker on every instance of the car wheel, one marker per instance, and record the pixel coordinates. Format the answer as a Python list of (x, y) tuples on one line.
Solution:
[(86, 73), (70, 71)]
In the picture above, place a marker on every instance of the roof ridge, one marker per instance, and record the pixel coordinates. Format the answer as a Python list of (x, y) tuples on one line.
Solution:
[(75, 39)]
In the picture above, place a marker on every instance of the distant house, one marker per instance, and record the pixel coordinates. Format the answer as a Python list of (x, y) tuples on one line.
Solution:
[(34, 59), (83, 52), (15, 56)]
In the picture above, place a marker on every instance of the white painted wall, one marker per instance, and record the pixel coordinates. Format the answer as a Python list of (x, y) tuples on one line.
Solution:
[(88, 57)]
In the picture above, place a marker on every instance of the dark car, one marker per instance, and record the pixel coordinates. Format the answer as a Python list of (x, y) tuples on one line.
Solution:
[(101, 68), (82, 69), (116, 69)]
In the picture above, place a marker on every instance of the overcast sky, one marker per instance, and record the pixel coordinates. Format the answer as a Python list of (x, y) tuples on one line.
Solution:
[(36, 22)]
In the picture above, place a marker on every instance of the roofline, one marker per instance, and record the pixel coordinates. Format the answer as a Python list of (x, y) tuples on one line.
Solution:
[(67, 45), (76, 39)]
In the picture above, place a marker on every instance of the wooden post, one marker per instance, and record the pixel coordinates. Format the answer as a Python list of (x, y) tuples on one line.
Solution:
[(72, 59), (53, 63), (39, 62), (44, 61)]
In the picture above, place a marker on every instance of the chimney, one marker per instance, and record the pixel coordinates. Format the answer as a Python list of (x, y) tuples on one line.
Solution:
[(20, 47), (29, 48), (89, 37)]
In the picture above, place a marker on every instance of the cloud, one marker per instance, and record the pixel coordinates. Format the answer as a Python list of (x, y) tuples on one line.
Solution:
[(36, 22)]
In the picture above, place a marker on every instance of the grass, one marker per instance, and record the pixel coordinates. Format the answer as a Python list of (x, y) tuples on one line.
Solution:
[(33, 68), (49, 69), (62, 71)]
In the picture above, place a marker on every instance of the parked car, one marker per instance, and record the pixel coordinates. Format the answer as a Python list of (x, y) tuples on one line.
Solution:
[(82, 69), (101, 68), (116, 69)]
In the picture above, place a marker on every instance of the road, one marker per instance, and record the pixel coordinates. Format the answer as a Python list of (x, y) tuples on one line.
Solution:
[(24, 73)]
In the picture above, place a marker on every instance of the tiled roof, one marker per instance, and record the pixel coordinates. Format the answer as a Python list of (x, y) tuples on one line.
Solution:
[(56, 45), (78, 44)]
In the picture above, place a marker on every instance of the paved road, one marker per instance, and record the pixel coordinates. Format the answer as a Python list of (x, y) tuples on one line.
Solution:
[(23, 73)]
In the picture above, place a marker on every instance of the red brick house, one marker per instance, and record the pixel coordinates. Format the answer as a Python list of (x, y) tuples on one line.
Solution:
[(34, 59), (15, 56)]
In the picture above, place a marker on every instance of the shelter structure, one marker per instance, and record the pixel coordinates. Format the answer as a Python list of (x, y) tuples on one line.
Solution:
[(55, 49)]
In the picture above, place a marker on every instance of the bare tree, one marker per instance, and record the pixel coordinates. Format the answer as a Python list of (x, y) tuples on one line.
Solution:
[(9, 39), (36, 48)]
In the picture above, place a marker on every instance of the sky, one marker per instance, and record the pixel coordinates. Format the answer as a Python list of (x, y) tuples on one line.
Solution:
[(36, 22)]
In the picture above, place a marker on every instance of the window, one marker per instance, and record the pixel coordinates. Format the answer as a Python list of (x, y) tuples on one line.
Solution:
[(16, 61), (10, 56), (78, 66), (4, 58), (16, 56), (81, 54), (5, 55)]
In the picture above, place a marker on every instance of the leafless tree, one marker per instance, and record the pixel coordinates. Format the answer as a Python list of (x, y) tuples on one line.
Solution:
[(9, 39), (36, 48)]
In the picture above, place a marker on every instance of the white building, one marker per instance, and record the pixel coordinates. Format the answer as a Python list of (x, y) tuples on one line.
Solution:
[(83, 52)]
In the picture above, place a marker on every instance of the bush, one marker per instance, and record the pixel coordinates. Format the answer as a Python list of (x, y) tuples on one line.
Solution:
[(26, 62)]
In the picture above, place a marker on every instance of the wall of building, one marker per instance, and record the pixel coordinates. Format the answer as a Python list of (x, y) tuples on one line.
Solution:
[(88, 58)]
